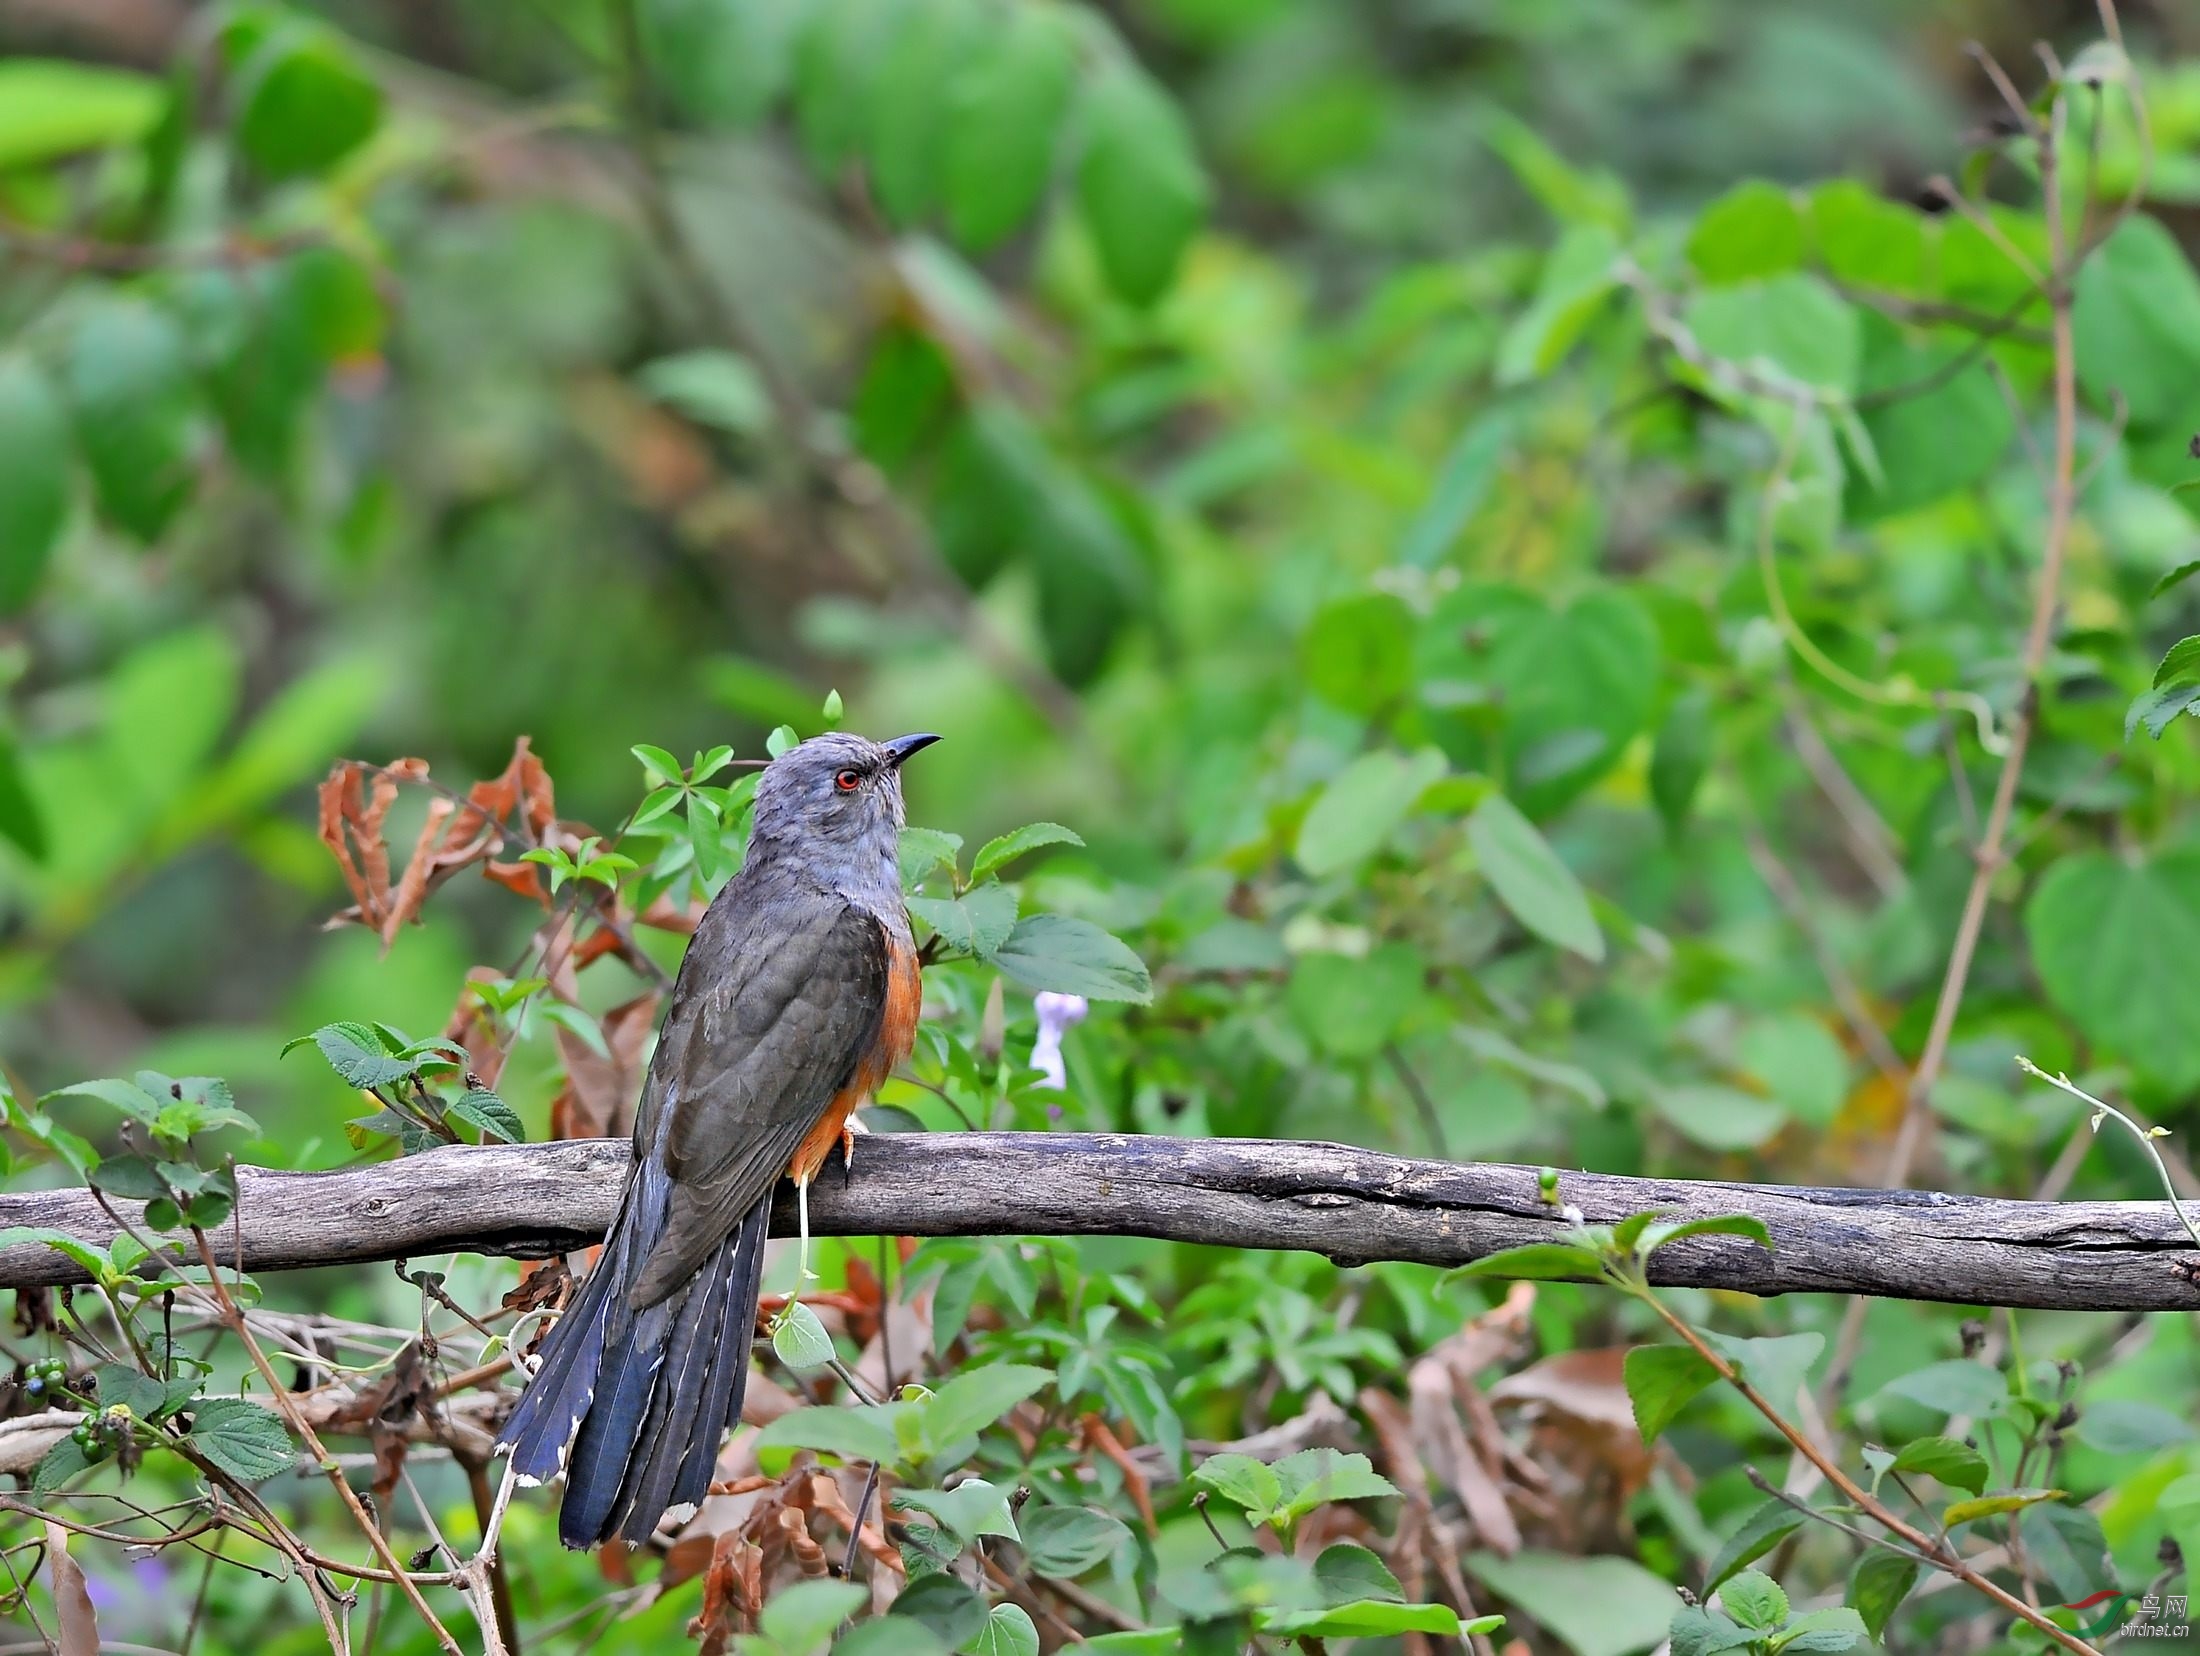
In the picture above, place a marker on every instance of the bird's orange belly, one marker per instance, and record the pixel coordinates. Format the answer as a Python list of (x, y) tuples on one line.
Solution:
[(897, 1033)]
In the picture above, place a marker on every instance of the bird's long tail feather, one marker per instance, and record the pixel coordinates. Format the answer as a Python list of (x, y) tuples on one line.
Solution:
[(642, 1397)]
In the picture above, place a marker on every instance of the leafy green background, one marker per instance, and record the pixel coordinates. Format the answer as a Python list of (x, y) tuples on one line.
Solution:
[(1320, 454)]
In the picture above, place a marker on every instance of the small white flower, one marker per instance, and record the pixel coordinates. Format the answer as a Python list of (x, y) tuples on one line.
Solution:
[(1057, 1015)]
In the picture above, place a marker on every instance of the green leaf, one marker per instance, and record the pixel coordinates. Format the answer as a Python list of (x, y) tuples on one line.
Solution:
[(1581, 272), (1462, 484), (799, 1339), (1719, 1117), (1832, 1629), (863, 1434), (1313, 1476), (489, 1115), (2137, 325), (1952, 1462), (1865, 239), (1655, 1235), (1348, 1573), (801, 1618), (1991, 1506), (1754, 1600), (1680, 758), (712, 388), (912, 104), (1946, 432), (943, 1604), (2175, 578), (1369, 1618), (128, 1097), (1792, 330), (1660, 1382), (1001, 143), (2157, 708), (1358, 653), (1536, 1261), (1073, 957), (58, 1465), (1008, 1631), (1777, 1365), (976, 923), (998, 853), (243, 1439), (1600, 1606), (137, 419), (95, 1263), (923, 850), (1767, 1525), (1067, 1541), (1530, 879), (35, 461), (970, 1402), (2119, 1426), (1799, 1062), (2179, 665), (357, 1054), (1877, 1587), (2067, 1543), (53, 107), (972, 1508), (1699, 1632), (303, 103), (20, 817), (1754, 230), (891, 1635), (1350, 1005), (1139, 181), (1361, 807), (1244, 1481), (2112, 941)]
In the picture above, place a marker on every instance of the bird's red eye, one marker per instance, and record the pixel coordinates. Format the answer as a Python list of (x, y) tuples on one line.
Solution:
[(848, 781)]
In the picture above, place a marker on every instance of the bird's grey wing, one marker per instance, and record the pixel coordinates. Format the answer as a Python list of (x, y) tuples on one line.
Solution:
[(788, 999)]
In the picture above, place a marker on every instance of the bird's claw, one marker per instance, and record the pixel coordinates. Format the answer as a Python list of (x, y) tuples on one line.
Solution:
[(848, 1131)]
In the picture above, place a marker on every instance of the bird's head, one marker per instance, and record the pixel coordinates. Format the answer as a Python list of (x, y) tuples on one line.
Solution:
[(838, 798)]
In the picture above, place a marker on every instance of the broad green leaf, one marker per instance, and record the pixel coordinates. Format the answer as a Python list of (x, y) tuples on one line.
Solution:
[(721, 66), (972, 1508), (1754, 1600), (1369, 1618), (1863, 238), (2111, 940), (1572, 194), (1073, 957), (1462, 484), (2120, 1426), (1139, 181), (912, 106), (245, 1440), (1877, 1587), (1696, 1631), (853, 1434), (1719, 1117), (713, 388), (1791, 330), (1952, 1462), (1946, 432), (976, 923), (799, 1339), (1767, 1525), (128, 1097), (1599, 1606), (357, 1054), (1535, 1261), (1531, 880), (1348, 1573), (35, 461), (1821, 1631), (944, 1605), (925, 849), (2137, 322), (1660, 1382), (1241, 1479), (1313, 1476), (2180, 664), (1958, 1386), (1008, 107), (801, 1618), (1361, 807), (891, 1635), (1799, 1062), (303, 103), (1990, 1506), (1581, 271), (489, 1115), (58, 1465), (971, 1401), (1680, 758), (1008, 1631), (94, 1263), (1359, 652), (54, 107), (1754, 230), (136, 412), (1656, 1234), (20, 818), (1350, 1005), (1067, 1541), (1777, 1365), (2067, 1544), (998, 853)]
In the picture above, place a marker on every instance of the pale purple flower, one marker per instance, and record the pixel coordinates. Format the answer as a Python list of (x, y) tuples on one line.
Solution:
[(1057, 1015)]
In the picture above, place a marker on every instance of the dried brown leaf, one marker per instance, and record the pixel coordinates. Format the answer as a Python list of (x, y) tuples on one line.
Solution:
[(72, 1596), (1097, 1438)]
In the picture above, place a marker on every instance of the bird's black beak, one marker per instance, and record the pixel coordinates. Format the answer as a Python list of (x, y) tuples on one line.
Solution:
[(901, 747)]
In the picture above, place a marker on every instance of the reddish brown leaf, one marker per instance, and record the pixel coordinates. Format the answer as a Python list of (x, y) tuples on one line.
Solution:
[(72, 1596), (601, 1091), (1097, 1438)]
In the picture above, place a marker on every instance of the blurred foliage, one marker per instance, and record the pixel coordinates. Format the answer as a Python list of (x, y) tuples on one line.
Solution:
[(1509, 532)]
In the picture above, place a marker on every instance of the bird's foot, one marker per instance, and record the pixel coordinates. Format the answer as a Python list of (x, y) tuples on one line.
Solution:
[(848, 1131)]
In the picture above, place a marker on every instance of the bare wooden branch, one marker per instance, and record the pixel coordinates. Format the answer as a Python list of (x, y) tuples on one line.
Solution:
[(1352, 1205)]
